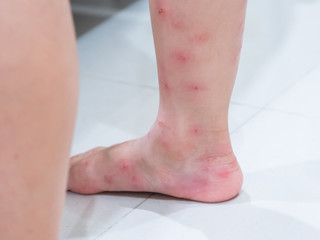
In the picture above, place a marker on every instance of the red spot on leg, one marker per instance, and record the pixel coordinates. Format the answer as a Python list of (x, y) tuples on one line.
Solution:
[(160, 11), (160, 123), (182, 57), (200, 38), (177, 23), (164, 83), (194, 88)]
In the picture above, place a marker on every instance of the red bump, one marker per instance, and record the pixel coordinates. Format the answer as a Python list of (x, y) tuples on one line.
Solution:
[(160, 123), (160, 11), (124, 165), (108, 179), (200, 182), (164, 143), (165, 84), (134, 178), (194, 88), (201, 38), (177, 24), (223, 172), (180, 56)]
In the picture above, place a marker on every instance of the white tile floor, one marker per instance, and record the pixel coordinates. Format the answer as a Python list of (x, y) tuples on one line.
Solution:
[(274, 119)]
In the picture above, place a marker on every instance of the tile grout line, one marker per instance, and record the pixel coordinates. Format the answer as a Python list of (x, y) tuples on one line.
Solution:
[(244, 104), (292, 113), (122, 217), (265, 106), (100, 78), (246, 121), (307, 74)]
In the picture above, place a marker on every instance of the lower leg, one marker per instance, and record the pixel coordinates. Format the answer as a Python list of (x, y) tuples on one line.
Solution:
[(187, 153), (38, 96)]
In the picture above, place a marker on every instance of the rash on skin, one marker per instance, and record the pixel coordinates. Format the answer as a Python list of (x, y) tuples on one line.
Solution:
[(160, 123), (200, 38), (124, 165), (223, 172), (195, 131), (108, 178), (177, 23), (164, 83), (169, 16), (194, 89), (180, 56)]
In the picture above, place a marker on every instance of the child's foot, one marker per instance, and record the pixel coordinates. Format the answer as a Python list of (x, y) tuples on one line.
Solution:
[(193, 164)]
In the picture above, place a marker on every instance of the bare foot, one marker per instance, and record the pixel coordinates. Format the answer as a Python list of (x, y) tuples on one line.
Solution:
[(193, 164)]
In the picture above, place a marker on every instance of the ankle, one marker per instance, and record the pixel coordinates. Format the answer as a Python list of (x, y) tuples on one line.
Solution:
[(188, 140)]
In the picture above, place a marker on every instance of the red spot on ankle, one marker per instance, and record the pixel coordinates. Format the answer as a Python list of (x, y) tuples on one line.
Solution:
[(223, 172), (197, 183)]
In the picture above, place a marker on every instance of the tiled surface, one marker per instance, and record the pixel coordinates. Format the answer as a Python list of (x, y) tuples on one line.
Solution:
[(274, 119)]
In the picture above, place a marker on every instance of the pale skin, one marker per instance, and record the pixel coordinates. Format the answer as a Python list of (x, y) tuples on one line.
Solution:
[(187, 153), (38, 101)]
